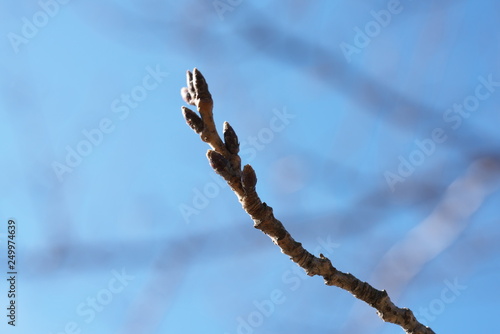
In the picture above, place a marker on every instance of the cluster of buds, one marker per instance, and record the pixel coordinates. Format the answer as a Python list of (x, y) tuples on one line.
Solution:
[(223, 156)]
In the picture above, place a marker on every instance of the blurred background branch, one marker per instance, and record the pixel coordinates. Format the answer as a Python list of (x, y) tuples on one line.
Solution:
[(121, 206)]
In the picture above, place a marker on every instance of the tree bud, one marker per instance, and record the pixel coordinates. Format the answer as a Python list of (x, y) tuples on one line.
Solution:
[(248, 178), (193, 120), (218, 162), (231, 139)]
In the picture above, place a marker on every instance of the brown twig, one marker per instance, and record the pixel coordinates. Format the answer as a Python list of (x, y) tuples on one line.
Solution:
[(226, 162)]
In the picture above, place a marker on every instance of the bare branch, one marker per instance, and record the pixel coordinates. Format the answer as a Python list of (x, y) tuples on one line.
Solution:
[(226, 162)]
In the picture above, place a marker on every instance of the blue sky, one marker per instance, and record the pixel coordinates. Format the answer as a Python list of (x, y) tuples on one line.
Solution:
[(373, 129)]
